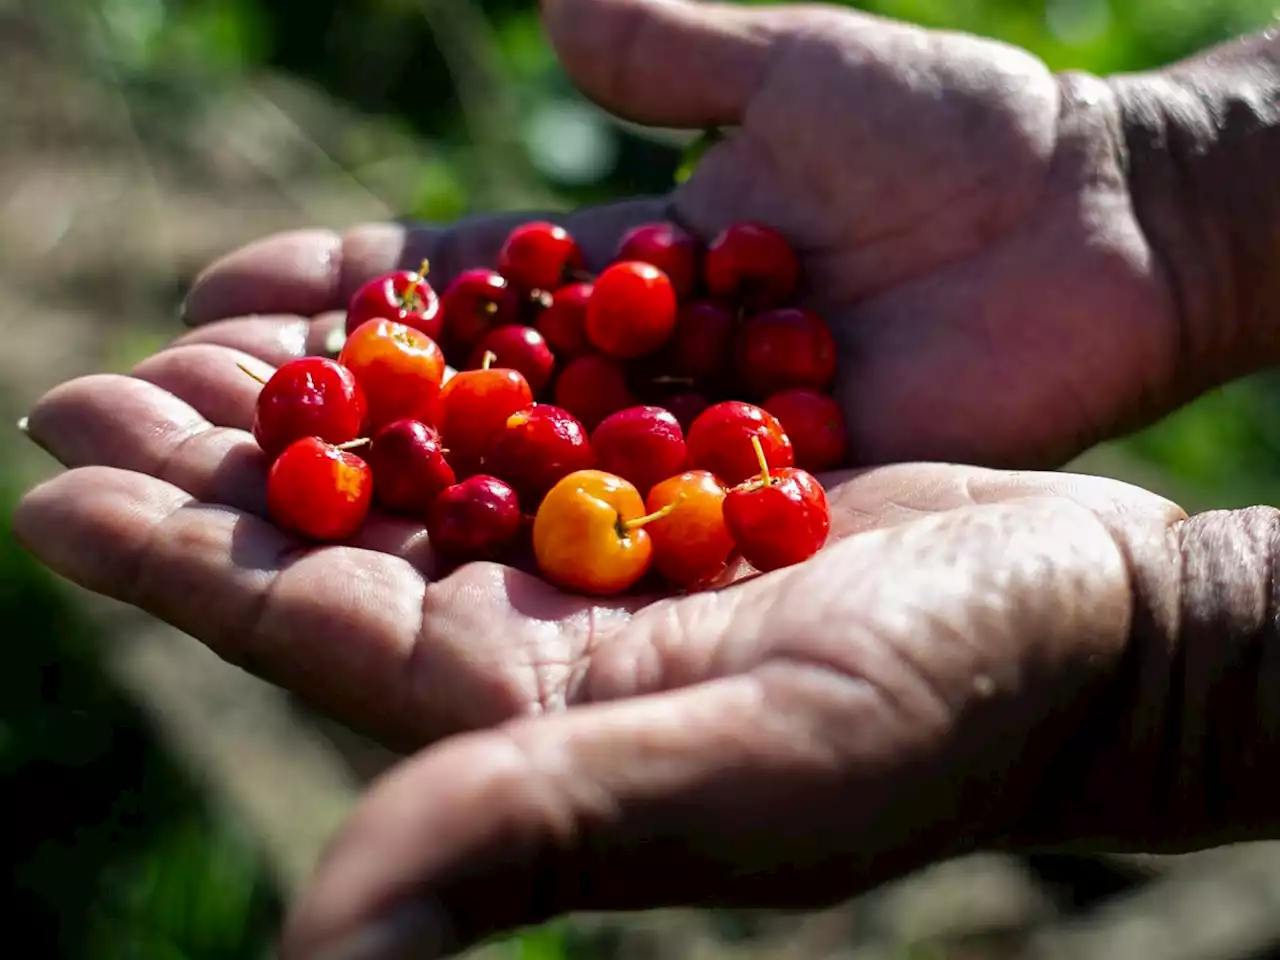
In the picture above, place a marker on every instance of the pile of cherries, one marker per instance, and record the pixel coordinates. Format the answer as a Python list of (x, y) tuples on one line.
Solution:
[(661, 418)]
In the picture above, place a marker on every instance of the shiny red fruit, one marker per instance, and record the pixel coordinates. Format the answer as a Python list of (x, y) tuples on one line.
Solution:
[(691, 545), (632, 310), (309, 397), (790, 347), (779, 518), (686, 407), (519, 348), (720, 441), (643, 445), (592, 387), (404, 296), (537, 448), (398, 367), (539, 256), (473, 409), (409, 467), (752, 266), (563, 322), (316, 491), (477, 519), (815, 424), (701, 346), (671, 249), (477, 302)]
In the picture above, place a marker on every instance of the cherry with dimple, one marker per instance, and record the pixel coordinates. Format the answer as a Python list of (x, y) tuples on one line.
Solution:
[(473, 408), (632, 310), (318, 490), (563, 320), (751, 266), (643, 445), (592, 387), (815, 424), (692, 544), (519, 348), (539, 256), (399, 368), (404, 296), (478, 518), (789, 347), (476, 302), (409, 467), (666, 246), (537, 447), (779, 518), (720, 440), (308, 397)]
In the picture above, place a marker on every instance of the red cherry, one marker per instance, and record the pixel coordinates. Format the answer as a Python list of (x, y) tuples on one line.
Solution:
[(720, 441), (473, 409), (643, 445), (815, 424), (691, 544), (667, 247), (632, 310), (539, 256), (476, 302), (752, 266), (477, 519), (564, 321), (409, 466), (519, 348), (398, 367), (308, 397), (318, 491), (702, 343), (791, 347), (537, 448), (403, 296), (778, 518), (592, 387), (686, 407)]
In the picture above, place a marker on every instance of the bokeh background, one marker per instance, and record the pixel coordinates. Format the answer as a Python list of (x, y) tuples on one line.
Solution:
[(162, 805)]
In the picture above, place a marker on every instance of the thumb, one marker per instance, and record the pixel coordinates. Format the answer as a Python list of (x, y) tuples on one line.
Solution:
[(670, 63)]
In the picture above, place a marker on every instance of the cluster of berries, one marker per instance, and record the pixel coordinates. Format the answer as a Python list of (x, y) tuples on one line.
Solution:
[(665, 415)]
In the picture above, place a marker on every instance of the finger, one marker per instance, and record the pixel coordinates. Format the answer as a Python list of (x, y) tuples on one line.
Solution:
[(665, 62), (273, 340), (208, 377), (310, 272)]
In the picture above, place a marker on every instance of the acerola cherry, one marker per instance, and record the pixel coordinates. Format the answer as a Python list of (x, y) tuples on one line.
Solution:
[(399, 368), (720, 440), (519, 348), (409, 466), (686, 407), (667, 247), (592, 387), (473, 408), (691, 545), (536, 448), (539, 256), (477, 519), (815, 424), (403, 296), (308, 397), (791, 347), (319, 491), (640, 444), (779, 518), (752, 266), (632, 310), (563, 322), (702, 343), (476, 302)]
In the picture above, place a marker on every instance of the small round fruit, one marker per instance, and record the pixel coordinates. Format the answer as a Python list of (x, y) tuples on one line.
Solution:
[(701, 344), (308, 397), (666, 246), (752, 266), (815, 424), (720, 440), (477, 519), (686, 407), (563, 322), (319, 492), (539, 256), (640, 444), (632, 310), (409, 467), (399, 368), (592, 387), (519, 348), (778, 518), (473, 409), (537, 448), (477, 302), (404, 296), (791, 347), (691, 545)]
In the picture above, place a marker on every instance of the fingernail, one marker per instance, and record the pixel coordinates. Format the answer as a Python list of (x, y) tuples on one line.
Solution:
[(418, 930), (24, 424), (334, 341)]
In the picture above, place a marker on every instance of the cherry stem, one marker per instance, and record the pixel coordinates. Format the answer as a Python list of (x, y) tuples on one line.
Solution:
[(765, 479), (251, 374), (488, 360), (351, 444), (412, 289), (627, 526)]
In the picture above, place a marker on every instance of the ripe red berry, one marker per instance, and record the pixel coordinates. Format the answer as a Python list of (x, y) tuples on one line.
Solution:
[(667, 247), (539, 256), (473, 409), (701, 345), (643, 445), (592, 387), (790, 347), (404, 296), (686, 407), (399, 368), (752, 266), (815, 424), (563, 322), (476, 302), (778, 518), (309, 397), (409, 467), (720, 441), (477, 519), (537, 448), (519, 348), (632, 310), (691, 544), (318, 491)]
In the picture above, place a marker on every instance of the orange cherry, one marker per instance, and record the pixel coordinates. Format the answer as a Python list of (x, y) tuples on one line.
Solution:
[(473, 408), (692, 543), (399, 368)]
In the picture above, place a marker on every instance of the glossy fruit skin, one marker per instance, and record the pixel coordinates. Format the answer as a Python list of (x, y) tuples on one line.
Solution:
[(692, 544), (752, 266), (537, 448), (781, 524), (671, 249), (318, 492), (476, 519), (790, 347), (409, 467), (404, 296), (643, 445), (473, 409), (578, 538), (632, 310), (686, 407), (720, 441), (399, 368), (518, 348), (701, 345), (815, 424), (309, 397), (539, 256), (476, 302), (592, 387), (564, 321)]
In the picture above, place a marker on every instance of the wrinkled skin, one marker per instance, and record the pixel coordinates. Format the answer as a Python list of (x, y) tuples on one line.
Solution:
[(978, 658)]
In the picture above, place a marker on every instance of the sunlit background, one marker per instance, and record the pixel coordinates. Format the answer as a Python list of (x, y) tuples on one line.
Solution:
[(162, 805)]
